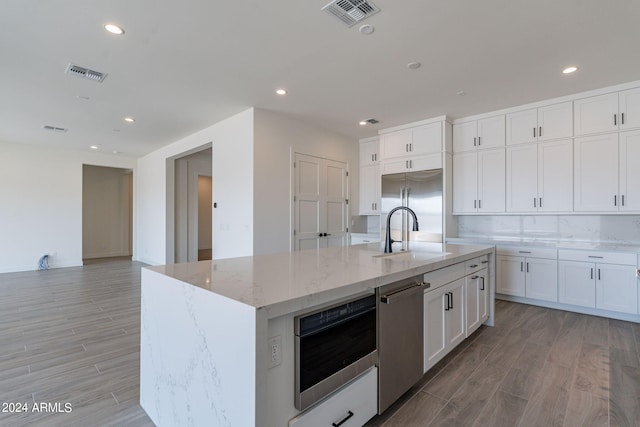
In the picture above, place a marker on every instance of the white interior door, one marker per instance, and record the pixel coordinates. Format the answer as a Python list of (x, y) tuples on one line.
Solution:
[(320, 202)]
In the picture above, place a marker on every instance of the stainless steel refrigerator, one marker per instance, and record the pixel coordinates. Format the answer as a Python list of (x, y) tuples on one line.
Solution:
[(422, 192)]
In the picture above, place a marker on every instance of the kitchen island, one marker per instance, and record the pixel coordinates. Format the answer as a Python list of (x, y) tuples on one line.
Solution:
[(208, 328)]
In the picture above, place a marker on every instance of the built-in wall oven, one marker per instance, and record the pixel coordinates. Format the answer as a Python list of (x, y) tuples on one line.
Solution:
[(333, 346)]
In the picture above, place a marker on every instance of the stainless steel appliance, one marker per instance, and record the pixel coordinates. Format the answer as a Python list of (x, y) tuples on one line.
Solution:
[(422, 192), (333, 345), (400, 339)]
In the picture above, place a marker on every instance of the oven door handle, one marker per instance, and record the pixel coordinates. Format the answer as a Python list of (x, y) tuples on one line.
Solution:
[(397, 294)]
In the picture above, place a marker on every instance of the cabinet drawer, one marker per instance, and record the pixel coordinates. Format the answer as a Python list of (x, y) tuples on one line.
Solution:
[(357, 401), (623, 258), (476, 264), (443, 276), (530, 252)]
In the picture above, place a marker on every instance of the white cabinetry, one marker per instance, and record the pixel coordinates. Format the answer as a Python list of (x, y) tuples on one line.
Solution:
[(540, 124), (369, 179), (352, 406), (539, 177), (477, 299), (479, 181), (412, 142), (607, 113), (444, 322), (528, 272), (602, 280), (607, 172), (478, 134), (432, 161)]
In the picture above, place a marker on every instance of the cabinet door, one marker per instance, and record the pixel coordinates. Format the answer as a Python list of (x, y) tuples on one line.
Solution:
[(483, 304), (435, 342), (369, 190), (477, 299), (576, 283), (465, 136), (395, 144), (541, 279), (423, 163), (465, 182), (491, 132), (491, 180), (617, 288), (455, 321), (596, 173), (630, 107), (595, 114), (555, 121), (510, 275), (630, 171), (522, 178), (426, 139), (394, 166), (522, 127), (555, 176), (369, 152)]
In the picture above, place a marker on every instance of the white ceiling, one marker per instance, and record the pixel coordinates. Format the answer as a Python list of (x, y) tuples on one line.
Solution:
[(184, 65)]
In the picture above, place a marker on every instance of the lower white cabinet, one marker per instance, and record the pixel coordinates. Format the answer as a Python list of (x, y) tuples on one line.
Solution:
[(527, 276), (477, 298), (444, 321), (597, 285), (352, 406)]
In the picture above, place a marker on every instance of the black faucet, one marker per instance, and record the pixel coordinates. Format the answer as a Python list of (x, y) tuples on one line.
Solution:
[(387, 241)]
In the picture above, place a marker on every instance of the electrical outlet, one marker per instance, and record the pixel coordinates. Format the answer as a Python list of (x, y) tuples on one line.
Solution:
[(275, 351)]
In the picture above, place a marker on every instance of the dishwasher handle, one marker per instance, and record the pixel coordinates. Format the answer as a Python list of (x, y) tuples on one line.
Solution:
[(399, 293)]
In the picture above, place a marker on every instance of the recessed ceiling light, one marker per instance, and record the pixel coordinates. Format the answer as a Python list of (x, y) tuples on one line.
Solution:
[(115, 152), (569, 70), (114, 29), (94, 147), (461, 93), (414, 65), (129, 119), (84, 98), (281, 91), (366, 29), (362, 123)]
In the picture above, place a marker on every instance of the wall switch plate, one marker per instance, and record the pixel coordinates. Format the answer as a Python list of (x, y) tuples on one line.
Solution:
[(275, 351)]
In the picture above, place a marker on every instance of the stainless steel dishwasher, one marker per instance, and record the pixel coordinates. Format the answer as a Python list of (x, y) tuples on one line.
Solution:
[(400, 338)]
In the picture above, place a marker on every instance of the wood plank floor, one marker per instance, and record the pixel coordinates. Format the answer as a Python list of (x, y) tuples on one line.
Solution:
[(72, 336), (536, 367)]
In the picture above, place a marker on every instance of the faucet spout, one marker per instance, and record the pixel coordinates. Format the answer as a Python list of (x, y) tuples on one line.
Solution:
[(388, 241)]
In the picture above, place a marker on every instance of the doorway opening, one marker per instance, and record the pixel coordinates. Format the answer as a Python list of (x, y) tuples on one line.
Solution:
[(193, 207), (107, 212)]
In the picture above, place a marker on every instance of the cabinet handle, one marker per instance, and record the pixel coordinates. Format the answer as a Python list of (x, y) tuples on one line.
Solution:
[(540, 131), (534, 132), (406, 164), (474, 277), (478, 141), (615, 120), (540, 204), (447, 302), (479, 204), (524, 252), (484, 262), (615, 200), (451, 299), (622, 119), (474, 141), (411, 146), (410, 164), (521, 265), (474, 204), (342, 421), (482, 285), (622, 199), (594, 256), (534, 202), (527, 267), (598, 274), (591, 273), (473, 266)]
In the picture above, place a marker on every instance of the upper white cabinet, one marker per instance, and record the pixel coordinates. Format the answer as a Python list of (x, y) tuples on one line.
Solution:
[(478, 134), (540, 124), (369, 190), (607, 178), (539, 177), (369, 151), (412, 142), (479, 181), (607, 113)]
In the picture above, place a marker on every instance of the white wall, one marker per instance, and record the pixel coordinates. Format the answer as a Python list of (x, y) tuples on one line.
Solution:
[(41, 204), (276, 137), (233, 189), (105, 212)]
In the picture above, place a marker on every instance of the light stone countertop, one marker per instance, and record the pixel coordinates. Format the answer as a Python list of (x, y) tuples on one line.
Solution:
[(543, 243), (295, 280)]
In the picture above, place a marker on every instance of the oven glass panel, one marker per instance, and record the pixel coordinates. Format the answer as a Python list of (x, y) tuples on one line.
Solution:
[(326, 352)]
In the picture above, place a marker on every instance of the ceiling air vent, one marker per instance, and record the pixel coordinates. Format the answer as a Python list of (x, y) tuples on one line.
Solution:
[(372, 121), (350, 12), (54, 129), (85, 73)]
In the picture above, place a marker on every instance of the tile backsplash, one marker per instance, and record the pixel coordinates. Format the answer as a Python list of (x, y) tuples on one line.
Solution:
[(620, 229)]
